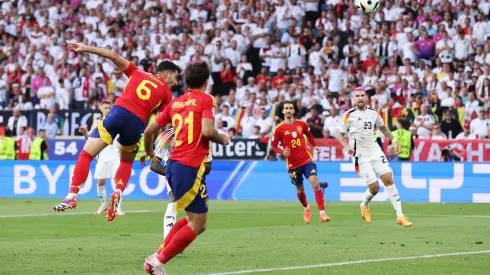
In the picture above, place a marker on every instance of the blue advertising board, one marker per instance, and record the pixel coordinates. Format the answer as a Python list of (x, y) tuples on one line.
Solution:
[(260, 180)]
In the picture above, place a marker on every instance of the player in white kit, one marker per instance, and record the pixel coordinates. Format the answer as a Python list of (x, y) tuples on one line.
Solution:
[(166, 142), (107, 163), (370, 161)]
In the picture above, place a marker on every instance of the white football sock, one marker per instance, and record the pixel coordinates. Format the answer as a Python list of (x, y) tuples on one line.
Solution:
[(119, 207), (70, 195), (102, 194), (395, 199), (307, 207), (367, 198), (169, 219)]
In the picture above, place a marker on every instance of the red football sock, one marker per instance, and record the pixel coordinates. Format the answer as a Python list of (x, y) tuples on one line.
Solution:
[(302, 199), (177, 226), (123, 174), (80, 173), (182, 239), (320, 200)]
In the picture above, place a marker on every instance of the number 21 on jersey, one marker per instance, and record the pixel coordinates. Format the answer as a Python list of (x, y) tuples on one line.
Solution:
[(178, 121)]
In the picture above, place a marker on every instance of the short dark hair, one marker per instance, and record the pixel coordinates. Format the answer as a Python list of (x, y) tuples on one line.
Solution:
[(167, 65), (196, 74)]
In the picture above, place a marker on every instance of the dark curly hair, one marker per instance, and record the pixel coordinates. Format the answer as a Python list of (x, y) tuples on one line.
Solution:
[(280, 107)]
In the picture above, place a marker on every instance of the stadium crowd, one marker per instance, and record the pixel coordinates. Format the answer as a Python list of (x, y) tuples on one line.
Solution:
[(426, 62)]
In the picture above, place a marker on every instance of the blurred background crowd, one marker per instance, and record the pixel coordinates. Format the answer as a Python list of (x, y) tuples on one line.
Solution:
[(425, 64)]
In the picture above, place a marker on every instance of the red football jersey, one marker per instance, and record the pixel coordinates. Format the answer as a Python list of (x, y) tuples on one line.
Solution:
[(143, 93), (186, 113), (292, 136)]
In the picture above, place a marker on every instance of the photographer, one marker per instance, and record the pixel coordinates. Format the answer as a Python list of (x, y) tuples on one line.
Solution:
[(448, 154)]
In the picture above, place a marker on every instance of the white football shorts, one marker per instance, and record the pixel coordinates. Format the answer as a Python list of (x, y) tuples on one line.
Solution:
[(371, 167), (106, 170)]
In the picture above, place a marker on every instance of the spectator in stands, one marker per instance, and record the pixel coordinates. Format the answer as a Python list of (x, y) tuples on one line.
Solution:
[(315, 122), (220, 125), (479, 126), (471, 107), (3, 94), (424, 122), (232, 133), (227, 77), (331, 122), (265, 123), (17, 122), (46, 95), (466, 134), (450, 126), (226, 117), (119, 82), (51, 127), (256, 133), (438, 134), (247, 123)]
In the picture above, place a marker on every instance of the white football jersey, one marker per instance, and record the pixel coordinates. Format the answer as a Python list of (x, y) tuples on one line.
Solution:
[(359, 127), (165, 144)]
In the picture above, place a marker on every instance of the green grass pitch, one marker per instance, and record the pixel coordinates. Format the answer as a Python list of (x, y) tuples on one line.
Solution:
[(246, 236)]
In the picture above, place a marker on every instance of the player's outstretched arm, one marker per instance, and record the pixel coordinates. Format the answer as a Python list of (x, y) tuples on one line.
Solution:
[(387, 133), (210, 132), (149, 135), (120, 62), (341, 139)]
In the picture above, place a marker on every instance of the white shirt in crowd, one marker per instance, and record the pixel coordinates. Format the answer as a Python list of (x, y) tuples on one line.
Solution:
[(230, 120), (335, 77), (331, 123), (260, 42), (247, 124), (422, 120), (479, 127), (48, 101), (21, 123), (265, 125)]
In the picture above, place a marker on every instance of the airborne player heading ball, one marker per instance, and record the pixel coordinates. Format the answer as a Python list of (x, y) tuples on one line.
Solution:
[(294, 136), (370, 162)]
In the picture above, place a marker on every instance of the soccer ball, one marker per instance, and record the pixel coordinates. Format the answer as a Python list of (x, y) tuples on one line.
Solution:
[(366, 6)]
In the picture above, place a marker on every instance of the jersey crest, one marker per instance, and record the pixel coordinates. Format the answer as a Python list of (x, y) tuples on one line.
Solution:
[(294, 134)]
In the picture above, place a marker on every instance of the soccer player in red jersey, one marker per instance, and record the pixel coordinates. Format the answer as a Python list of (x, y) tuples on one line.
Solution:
[(143, 93), (294, 136), (192, 117)]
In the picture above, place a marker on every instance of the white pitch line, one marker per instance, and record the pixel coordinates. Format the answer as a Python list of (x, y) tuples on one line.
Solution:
[(232, 212), (64, 214), (350, 263), (342, 213)]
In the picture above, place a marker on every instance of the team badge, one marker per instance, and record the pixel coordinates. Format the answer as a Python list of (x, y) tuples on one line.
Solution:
[(294, 134)]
